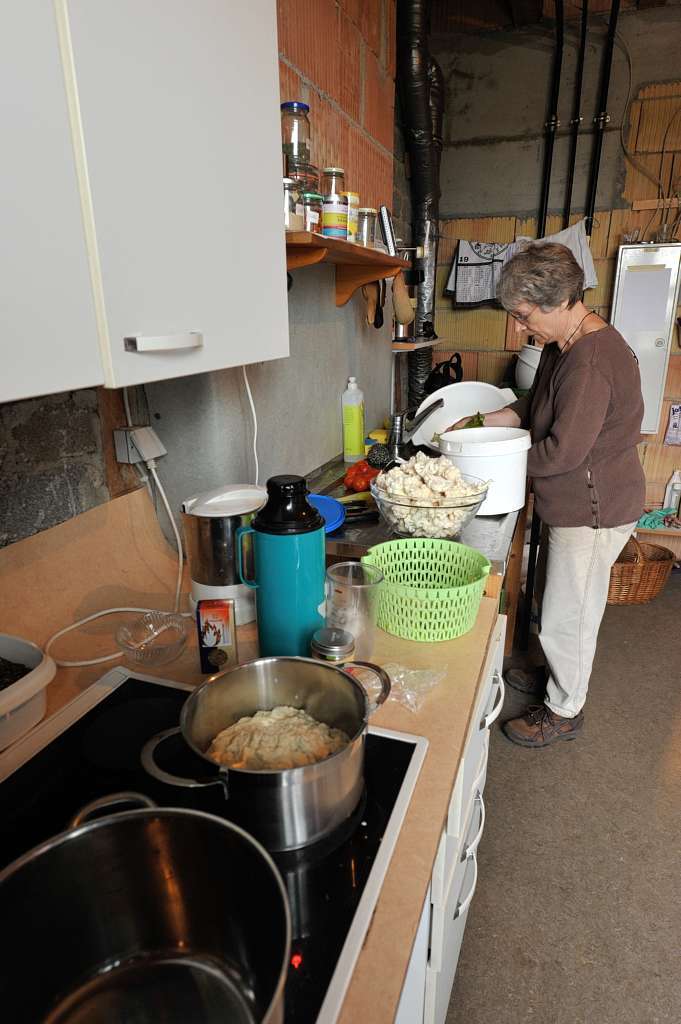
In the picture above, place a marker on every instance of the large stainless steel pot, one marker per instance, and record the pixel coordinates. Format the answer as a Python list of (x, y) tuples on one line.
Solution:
[(148, 915), (291, 808)]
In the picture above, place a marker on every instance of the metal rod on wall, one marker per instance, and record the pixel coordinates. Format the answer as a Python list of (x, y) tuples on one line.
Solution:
[(602, 118), (576, 121)]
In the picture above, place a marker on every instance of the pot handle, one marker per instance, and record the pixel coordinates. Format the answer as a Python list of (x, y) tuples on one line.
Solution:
[(111, 800), (383, 678), (240, 534), (149, 764)]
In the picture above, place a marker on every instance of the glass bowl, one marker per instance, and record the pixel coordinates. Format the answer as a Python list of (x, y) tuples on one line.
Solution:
[(442, 518), (153, 639)]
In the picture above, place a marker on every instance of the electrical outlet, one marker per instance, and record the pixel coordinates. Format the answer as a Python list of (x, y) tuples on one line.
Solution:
[(137, 444)]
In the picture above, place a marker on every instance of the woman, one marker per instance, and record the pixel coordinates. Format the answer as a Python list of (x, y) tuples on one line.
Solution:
[(584, 412)]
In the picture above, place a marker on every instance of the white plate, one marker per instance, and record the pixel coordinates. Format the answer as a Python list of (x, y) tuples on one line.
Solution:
[(462, 399)]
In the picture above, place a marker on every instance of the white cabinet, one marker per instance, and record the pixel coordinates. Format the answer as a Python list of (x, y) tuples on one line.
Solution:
[(175, 121), (47, 319), (411, 1004)]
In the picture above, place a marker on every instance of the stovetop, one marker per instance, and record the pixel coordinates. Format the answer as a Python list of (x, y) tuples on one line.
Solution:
[(92, 748)]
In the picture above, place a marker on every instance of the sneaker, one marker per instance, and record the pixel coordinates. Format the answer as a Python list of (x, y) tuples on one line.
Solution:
[(532, 682), (540, 727)]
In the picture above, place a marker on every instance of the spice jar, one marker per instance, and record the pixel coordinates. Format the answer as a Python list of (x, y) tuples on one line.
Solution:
[(353, 206), (332, 645), (366, 226), (310, 206), (295, 133), (293, 221), (304, 174), (333, 181)]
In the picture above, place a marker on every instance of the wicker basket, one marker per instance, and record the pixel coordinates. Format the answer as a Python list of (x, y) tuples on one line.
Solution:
[(640, 573), (432, 589)]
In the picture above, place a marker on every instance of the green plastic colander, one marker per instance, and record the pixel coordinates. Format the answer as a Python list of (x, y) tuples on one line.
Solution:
[(432, 589)]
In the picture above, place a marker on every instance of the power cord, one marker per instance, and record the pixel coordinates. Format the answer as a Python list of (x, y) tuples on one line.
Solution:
[(255, 424)]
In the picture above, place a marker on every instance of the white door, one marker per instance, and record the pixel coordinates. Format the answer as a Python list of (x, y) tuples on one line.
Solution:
[(644, 311), (49, 334), (179, 132)]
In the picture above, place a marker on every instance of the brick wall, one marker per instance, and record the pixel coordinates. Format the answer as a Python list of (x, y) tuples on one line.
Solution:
[(486, 337), (339, 57)]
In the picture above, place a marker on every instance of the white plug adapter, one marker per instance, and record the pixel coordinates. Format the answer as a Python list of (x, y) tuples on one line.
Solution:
[(137, 444)]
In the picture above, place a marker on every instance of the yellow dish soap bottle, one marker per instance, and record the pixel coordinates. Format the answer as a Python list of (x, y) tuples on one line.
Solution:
[(353, 422)]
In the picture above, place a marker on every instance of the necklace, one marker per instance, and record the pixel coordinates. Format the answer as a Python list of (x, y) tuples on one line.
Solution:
[(567, 343)]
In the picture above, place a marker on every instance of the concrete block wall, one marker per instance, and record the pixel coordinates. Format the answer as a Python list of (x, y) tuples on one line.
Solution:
[(339, 57)]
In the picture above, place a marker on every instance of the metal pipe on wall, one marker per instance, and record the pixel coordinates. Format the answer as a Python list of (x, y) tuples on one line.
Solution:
[(602, 116), (552, 122), (576, 121), (421, 92)]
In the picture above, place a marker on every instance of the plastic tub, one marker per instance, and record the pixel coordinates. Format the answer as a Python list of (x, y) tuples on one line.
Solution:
[(526, 366), (496, 454), (23, 704)]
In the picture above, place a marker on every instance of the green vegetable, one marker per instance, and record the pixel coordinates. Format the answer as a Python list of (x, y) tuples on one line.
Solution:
[(475, 421)]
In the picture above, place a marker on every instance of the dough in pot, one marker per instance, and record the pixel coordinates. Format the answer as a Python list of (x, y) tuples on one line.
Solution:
[(278, 739)]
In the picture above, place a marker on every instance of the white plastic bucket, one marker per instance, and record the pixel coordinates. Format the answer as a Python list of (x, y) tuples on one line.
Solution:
[(497, 454)]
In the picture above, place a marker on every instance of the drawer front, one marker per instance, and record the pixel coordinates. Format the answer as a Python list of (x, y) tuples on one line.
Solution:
[(439, 982), (445, 912), (451, 845)]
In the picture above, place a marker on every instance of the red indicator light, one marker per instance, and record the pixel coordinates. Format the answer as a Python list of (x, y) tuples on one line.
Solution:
[(296, 960)]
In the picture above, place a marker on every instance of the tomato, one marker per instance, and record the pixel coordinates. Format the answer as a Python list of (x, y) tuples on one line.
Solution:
[(359, 476)]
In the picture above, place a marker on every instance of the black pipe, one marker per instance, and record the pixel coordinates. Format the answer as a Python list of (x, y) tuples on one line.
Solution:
[(602, 117), (576, 122), (552, 122), (551, 126)]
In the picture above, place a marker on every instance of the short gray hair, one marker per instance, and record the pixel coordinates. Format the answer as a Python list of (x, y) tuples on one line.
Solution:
[(544, 275)]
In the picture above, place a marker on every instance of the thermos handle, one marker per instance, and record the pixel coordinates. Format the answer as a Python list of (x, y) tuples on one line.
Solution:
[(240, 534)]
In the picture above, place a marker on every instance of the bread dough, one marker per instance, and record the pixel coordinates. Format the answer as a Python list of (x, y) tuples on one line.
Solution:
[(282, 738)]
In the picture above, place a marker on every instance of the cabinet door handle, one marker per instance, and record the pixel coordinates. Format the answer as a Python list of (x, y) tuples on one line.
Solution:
[(496, 710), (463, 906), (469, 850), (163, 342)]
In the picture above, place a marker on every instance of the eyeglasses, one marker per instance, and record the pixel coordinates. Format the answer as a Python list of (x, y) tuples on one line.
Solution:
[(522, 318)]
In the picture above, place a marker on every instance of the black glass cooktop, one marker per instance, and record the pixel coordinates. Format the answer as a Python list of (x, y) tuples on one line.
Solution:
[(100, 754)]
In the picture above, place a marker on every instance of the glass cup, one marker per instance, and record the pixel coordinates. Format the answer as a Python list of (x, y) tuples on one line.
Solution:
[(352, 595)]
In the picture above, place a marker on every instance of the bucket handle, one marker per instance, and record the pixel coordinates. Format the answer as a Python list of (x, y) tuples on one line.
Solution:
[(110, 800), (380, 673), (149, 764), (240, 534)]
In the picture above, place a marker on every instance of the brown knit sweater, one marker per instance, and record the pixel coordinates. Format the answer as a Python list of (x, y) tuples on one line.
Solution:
[(584, 412)]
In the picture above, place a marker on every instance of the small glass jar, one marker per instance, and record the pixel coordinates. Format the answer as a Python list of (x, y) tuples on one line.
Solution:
[(304, 174), (293, 221), (310, 206), (295, 133), (366, 226), (333, 181), (332, 645)]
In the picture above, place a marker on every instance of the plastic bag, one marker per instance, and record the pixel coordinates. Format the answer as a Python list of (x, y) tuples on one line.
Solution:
[(411, 686)]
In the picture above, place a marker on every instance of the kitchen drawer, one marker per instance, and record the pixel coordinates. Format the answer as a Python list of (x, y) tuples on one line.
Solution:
[(445, 912), (439, 981), (451, 845)]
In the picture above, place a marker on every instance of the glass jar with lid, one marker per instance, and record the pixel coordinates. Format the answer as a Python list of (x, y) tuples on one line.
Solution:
[(366, 226), (310, 206), (304, 174), (333, 181), (332, 645), (295, 133), (293, 221)]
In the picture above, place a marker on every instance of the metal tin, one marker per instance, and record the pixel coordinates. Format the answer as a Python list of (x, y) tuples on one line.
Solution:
[(332, 645)]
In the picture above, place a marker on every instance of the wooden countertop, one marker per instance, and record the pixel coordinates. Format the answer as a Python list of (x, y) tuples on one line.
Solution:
[(116, 556)]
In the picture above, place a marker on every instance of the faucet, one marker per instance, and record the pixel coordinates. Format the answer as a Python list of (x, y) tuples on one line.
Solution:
[(402, 431)]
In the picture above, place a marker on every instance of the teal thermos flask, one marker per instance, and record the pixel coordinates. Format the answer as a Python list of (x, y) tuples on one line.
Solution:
[(289, 559)]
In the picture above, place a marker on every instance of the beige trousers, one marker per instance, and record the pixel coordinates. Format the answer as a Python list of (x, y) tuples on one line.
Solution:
[(573, 575)]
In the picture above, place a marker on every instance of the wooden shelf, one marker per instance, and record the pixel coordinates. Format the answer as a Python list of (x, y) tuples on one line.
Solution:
[(356, 265), (413, 346)]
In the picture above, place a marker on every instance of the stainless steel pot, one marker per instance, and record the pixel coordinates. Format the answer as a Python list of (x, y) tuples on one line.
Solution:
[(152, 915), (291, 808)]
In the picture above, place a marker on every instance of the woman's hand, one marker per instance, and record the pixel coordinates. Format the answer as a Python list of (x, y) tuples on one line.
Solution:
[(501, 418), (463, 422)]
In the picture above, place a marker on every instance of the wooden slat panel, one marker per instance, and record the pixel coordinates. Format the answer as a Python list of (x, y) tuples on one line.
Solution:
[(472, 329), (602, 294), (655, 492), (672, 387), (477, 229), (494, 367), (622, 221), (599, 234), (442, 301), (526, 226), (637, 185), (469, 360), (660, 89), (661, 461), (659, 119), (634, 123)]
